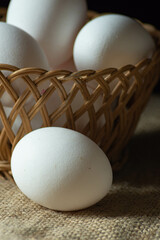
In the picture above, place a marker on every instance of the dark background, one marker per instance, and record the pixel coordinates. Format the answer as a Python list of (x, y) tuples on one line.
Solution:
[(148, 12)]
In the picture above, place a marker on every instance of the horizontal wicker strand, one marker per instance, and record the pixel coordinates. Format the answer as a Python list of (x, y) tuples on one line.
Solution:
[(110, 100)]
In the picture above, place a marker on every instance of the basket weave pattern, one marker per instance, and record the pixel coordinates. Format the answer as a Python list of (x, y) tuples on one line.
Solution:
[(110, 100)]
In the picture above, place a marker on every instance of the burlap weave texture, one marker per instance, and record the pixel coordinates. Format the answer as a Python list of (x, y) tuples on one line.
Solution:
[(131, 210)]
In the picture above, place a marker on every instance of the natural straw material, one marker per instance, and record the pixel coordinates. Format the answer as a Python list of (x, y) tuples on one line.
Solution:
[(120, 108)]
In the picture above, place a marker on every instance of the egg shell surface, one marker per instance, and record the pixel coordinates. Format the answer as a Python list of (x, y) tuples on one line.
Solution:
[(61, 169), (21, 50), (53, 23), (68, 65), (111, 40)]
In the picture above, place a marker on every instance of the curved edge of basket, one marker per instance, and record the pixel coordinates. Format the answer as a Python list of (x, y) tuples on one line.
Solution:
[(85, 74)]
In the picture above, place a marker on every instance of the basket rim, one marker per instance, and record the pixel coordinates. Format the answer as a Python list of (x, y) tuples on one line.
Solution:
[(148, 67), (155, 33)]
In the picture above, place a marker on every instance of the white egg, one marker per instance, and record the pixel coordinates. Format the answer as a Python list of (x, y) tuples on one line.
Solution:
[(19, 49), (111, 40), (68, 65), (53, 23), (61, 169)]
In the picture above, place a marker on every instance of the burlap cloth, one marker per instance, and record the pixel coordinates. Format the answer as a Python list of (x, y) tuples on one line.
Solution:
[(130, 211)]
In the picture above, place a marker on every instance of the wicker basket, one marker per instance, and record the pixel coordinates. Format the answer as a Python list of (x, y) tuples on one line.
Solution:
[(111, 114)]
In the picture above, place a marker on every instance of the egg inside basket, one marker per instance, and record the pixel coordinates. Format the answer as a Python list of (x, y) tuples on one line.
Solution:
[(105, 114)]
